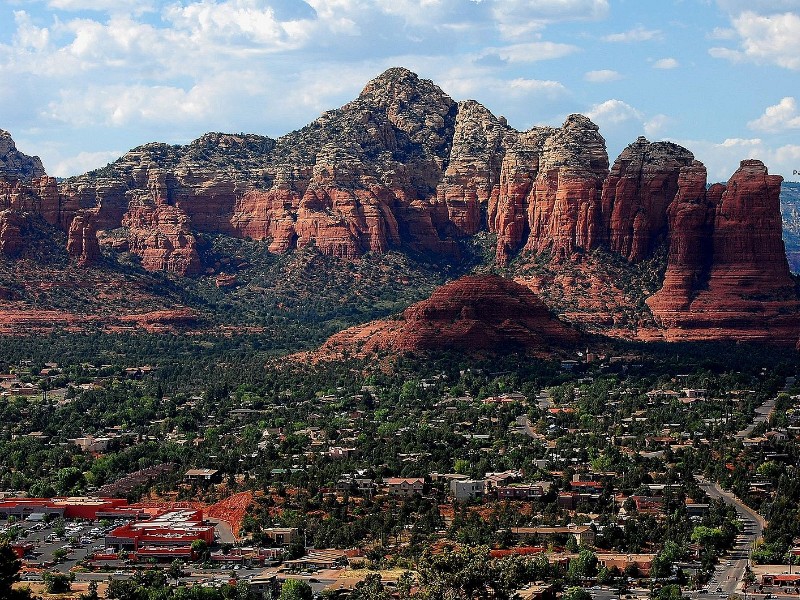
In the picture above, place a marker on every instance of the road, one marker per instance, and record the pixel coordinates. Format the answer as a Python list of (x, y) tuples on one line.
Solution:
[(525, 426), (747, 514), (223, 532), (728, 575), (763, 413)]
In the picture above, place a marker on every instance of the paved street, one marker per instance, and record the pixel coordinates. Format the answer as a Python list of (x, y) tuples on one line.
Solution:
[(729, 573)]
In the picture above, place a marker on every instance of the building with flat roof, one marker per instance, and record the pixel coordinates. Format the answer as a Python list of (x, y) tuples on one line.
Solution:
[(70, 508), (203, 476), (170, 529), (583, 534), (464, 490)]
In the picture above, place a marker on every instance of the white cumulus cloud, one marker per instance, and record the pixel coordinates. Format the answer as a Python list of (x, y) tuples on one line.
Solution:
[(765, 39), (114, 6), (612, 112), (119, 105), (655, 125), (637, 34), (83, 162), (778, 117), (531, 52), (602, 76), (238, 21), (761, 6), (517, 18), (722, 158), (666, 63)]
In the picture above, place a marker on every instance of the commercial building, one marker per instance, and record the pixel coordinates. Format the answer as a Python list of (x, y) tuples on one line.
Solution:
[(173, 529), (69, 508), (583, 534)]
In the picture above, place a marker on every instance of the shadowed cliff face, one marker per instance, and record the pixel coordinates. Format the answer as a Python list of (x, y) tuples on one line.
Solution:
[(727, 274), (403, 166)]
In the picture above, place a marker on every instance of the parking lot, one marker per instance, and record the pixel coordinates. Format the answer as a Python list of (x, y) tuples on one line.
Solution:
[(61, 545), (57, 545)]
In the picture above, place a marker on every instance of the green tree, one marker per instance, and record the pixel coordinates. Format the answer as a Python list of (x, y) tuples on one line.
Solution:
[(9, 569), (710, 537), (582, 567), (58, 583), (604, 576), (200, 549), (576, 593), (669, 592), (296, 589), (59, 527), (175, 569), (59, 554), (404, 584), (91, 593), (370, 588), (469, 572)]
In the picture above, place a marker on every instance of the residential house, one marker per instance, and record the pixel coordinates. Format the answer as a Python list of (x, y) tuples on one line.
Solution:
[(338, 452), (464, 490), (203, 476), (583, 534), (520, 491), (404, 486)]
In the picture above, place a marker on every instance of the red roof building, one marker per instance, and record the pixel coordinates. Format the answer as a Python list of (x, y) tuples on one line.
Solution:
[(173, 529), (69, 508)]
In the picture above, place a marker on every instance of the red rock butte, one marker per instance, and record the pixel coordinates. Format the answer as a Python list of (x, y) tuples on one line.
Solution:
[(727, 276), (473, 314)]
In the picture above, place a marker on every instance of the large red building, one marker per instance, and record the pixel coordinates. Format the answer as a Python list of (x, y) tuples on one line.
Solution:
[(69, 508), (174, 529)]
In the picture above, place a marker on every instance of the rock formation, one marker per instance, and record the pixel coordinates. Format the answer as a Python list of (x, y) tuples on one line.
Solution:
[(727, 273), (82, 241), (549, 192), (473, 314), (11, 224), (637, 193), (401, 166), (691, 226), (471, 180), (160, 234), (14, 164), (405, 167)]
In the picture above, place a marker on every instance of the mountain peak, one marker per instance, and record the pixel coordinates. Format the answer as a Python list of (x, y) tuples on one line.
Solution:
[(14, 164), (399, 85), (393, 78)]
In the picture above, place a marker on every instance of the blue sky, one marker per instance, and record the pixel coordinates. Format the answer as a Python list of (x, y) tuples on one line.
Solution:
[(86, 80)]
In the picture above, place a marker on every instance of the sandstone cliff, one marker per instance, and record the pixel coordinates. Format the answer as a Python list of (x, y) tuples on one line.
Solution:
[(14, 164), (405, 167), (727, 275), (637, 194), (401, 166)]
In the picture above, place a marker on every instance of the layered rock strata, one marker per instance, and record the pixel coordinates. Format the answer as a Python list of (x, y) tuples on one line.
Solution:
[(727, 274), (403, 166), (14, 164)]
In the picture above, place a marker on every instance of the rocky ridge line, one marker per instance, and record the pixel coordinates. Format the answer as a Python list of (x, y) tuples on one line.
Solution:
[(404, 166)]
